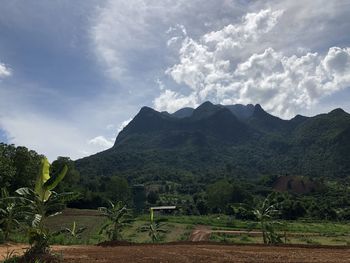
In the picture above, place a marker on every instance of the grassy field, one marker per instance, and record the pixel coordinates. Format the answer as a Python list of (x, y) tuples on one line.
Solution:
[(179, 228)]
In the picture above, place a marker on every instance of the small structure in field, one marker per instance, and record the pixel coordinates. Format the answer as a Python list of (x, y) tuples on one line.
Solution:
[(160, 208)]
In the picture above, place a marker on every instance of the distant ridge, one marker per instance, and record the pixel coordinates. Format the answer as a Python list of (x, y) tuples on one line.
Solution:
[(209, 138)]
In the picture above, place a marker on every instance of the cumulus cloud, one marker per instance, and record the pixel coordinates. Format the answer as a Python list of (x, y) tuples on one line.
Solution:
[(134, 35), (101, 142), (4, 71), (213, 69)]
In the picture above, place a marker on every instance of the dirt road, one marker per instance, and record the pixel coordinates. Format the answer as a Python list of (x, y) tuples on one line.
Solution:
[(196, 252)]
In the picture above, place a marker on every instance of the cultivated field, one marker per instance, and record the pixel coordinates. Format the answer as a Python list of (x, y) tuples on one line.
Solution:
[(195, 239), (194, 252)]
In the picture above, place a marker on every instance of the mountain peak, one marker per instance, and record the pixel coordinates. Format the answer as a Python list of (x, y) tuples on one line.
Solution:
[(146, 109), (337, 111), (205, 110), (259, 111)]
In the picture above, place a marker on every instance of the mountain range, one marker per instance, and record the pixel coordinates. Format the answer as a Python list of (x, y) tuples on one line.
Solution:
[(224, 140)]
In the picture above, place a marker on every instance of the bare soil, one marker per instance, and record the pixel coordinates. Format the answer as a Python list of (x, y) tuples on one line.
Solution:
[(195, 252)]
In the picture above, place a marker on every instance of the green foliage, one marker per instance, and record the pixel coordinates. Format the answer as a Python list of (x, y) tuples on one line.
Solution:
[(117, 189), (265, 215), (155, 228), (73, 232), (222, 193), (39, 204), (118, 218), (18, 166), (10, 214), (152, 197)]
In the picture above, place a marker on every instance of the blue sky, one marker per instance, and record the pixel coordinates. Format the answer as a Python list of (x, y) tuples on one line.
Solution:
[(73, 73)]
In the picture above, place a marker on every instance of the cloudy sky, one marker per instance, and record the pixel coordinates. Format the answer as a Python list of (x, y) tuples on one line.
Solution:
[(73, 73)]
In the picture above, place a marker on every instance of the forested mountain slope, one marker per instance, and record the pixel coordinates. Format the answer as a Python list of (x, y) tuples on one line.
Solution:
[(215, 140)]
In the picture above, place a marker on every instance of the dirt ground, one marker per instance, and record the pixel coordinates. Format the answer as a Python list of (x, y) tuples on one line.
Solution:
[(194, 252)]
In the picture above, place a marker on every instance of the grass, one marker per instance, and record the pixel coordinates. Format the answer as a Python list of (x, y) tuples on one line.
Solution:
[(179, 228), (225, 222)]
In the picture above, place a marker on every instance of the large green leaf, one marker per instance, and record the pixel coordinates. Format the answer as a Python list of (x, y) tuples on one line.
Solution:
[(43, 176), (52, 182), (24, 191), (36, 221)]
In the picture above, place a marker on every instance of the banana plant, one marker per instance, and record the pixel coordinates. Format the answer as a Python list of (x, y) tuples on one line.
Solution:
[(265, 215), (40, 203), (155, 227), (74, 231), (10, 214), (118, 218)]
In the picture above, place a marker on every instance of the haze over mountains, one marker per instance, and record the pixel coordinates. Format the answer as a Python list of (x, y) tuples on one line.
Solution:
[(239, 140)]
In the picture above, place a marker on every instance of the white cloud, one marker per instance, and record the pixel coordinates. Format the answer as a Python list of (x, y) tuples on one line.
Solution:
[(4, 71), (213, 68), (123, 124), (44, 135), (101, 142), (171, 101), (135, 34)]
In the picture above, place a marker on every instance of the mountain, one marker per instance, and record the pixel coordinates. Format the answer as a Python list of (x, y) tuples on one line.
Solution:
[(212, 141), (242, 112), (183, 113)]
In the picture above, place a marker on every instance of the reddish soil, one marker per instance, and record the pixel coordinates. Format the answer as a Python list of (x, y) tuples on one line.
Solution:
[(200, 233), (196, 252), (295, 184)]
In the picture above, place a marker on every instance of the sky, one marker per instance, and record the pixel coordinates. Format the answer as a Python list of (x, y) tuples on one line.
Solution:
[(74, 73)]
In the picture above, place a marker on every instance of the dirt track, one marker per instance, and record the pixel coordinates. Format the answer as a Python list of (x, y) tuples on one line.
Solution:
[(196, 252)]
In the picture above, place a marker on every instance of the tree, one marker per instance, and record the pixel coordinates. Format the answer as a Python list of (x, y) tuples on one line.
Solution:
[(219, 195), (152, 197), (118, 218), (72, 178), (7, 169), (27, 164), (117, 188)]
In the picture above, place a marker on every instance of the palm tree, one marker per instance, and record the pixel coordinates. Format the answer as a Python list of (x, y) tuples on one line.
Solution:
[(118, 218)]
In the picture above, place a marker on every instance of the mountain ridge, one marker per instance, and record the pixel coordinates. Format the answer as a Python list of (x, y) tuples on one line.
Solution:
[(205, 140)]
